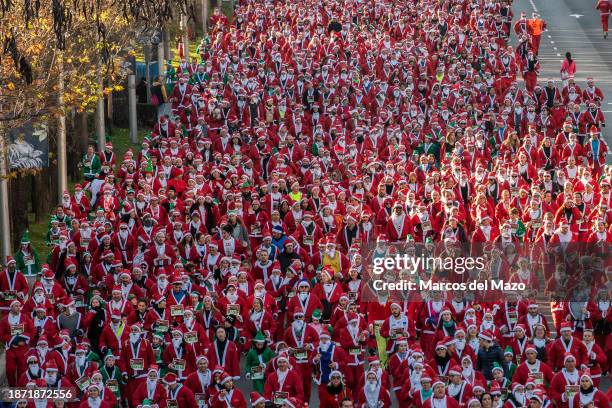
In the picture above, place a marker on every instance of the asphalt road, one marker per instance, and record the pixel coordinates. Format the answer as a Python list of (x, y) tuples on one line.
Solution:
[(574, 26)]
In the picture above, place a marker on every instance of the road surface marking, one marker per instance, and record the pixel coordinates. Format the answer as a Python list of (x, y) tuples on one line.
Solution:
[(533, 5), (577, 15)]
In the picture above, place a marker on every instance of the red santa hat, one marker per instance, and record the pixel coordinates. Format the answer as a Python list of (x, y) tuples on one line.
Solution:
[(455, 370), (567, 356), (531, 347), (325, 333), (486, 335), (170, 378), (373, 360), (538, 395), (51, 365), (225, 377), (587, 374), (520, 326), (15, 301), (256, 398), (566, 326)]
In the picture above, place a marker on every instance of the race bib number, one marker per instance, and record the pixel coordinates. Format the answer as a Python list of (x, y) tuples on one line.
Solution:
[(137, 364), (177, 310), (257, 373)]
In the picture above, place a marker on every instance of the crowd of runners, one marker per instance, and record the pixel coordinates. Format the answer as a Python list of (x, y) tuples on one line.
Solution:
[(233, 246)]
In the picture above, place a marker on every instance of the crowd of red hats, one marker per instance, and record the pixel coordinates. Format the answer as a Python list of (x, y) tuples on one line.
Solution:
[(232, 246)]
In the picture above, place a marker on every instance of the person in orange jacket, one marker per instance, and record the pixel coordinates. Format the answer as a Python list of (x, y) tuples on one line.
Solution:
[(536, 27)]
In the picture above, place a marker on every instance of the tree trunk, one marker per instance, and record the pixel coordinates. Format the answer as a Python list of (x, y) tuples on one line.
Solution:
[(19, 196), (44, 184)]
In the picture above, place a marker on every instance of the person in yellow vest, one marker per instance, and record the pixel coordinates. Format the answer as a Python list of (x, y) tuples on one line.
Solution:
[(295, 194), (335, 259), (536, 27)]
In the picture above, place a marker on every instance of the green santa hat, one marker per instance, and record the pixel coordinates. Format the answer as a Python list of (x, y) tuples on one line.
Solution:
[(25, 239), (496, 366), (147, 403), (508, 351), (109, 354), (259, 338)]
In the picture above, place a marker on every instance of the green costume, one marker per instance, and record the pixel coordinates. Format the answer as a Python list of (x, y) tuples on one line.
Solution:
[(91, 166), (170, 76), (28, 264), (258, 358), (114, 375), (429, 147)]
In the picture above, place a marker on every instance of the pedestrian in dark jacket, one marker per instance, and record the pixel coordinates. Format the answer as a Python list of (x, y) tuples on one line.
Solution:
[(489, 353)]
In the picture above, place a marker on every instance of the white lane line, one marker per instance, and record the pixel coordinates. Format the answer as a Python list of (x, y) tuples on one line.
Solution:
[(555, 48), (558, 55), (549, 36), (552, 42), (533, 5)]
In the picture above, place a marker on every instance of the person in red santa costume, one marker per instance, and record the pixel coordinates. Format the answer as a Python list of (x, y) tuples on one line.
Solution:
[(178, 392), (329, 356), (284, 379), (565, 382), (428, 319), (229, 396), (13, 284), (396, 325), (81, 366), (373, 394), (136, 356), (304, 301), (151, 389), (532, 368), (604, 7), (16, 330), (94, 399), (439, 398), (458, 388), (160, 254), (328, 290), (302, 338), (354, 340), (589, 395), (566, 343), (398, 225), (223, 352), (596, 356)]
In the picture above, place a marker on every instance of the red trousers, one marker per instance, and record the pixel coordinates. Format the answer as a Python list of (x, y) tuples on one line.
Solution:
[(535, 43), (15, 364), (353, 374), (604, 22), (306, 373), (428, 345), (531, 80)]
